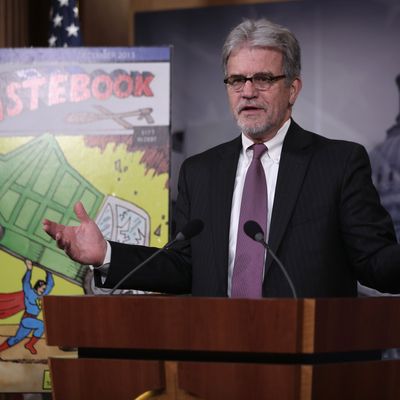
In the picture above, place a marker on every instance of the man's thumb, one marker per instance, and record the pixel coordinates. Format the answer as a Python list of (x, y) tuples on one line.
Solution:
[(81, 213)]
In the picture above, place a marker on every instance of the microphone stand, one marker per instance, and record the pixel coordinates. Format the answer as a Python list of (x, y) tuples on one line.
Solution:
[(259, 237), (169, 244)]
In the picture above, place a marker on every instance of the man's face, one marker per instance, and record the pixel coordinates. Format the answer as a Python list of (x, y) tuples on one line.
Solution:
[(41, 289), (260, 113)]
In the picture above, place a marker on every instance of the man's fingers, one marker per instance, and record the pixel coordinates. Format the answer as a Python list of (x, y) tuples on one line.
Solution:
[(60, 240), (50, 228), (81, 212)]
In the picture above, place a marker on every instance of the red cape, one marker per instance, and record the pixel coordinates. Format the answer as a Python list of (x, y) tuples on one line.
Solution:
[(11, 303)]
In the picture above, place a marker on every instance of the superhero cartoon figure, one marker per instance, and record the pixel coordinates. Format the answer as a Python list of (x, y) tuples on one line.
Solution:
[(32, 303)]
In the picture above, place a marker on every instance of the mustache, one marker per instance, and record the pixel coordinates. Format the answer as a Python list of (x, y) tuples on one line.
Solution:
[(253, 104)]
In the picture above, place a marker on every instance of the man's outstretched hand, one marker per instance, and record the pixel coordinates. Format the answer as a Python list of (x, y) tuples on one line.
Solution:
[(84, 243)]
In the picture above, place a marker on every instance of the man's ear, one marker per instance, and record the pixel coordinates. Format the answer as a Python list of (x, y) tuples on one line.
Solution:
[(294, 89)]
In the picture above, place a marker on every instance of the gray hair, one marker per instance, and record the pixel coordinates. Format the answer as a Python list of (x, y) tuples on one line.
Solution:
[(264, 33)]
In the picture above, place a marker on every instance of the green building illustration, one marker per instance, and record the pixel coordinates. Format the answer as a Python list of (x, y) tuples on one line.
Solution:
[(36, 182)]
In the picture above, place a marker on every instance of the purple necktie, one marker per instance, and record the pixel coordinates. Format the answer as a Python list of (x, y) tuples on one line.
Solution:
[(249, 260)]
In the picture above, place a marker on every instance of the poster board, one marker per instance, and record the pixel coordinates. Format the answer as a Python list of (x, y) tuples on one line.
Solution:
[(76, 124)]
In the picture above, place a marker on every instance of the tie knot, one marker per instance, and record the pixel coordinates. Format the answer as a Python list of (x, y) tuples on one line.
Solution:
[(258, 150)]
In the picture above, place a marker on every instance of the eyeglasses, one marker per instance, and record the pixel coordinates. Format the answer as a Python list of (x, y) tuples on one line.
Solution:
[(261, 81)]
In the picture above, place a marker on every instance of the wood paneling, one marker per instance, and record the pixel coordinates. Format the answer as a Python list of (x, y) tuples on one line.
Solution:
[(105, 22), (105, 379), (165, 5), (14, 23), (196, 347), (111, 23), (159, 5), (24, 23), (226, 326)]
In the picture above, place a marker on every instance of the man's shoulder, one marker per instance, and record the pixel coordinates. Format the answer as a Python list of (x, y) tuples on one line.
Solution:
[(229, 149), (302, 137)]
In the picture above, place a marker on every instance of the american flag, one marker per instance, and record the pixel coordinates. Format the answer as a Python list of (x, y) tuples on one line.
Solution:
[(64, 24)]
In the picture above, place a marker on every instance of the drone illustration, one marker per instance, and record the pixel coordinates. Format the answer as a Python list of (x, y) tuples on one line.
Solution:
[(104, 114)]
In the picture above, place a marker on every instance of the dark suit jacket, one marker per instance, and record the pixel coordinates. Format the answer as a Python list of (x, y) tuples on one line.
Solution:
[(328, 227)]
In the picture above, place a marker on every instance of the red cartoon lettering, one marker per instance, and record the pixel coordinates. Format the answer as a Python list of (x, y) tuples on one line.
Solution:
[(102, 87), (79, 87), (57, 91), (34, 86), (142, 84), (13, 96), (123, 86)]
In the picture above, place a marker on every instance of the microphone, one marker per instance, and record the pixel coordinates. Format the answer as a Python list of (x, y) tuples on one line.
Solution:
[(191, 229), (254, 231)]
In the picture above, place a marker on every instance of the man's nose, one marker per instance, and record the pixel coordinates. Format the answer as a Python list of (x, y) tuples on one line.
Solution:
[(249, 90)]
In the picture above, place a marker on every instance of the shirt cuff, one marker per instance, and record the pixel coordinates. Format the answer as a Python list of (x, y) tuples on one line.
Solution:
[(103, 268)]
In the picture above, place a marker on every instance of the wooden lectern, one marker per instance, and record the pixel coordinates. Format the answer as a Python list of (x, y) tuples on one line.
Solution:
[(215, 348)]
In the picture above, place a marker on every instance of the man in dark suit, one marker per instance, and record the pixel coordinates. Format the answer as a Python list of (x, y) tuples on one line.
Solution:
[(323, 216)]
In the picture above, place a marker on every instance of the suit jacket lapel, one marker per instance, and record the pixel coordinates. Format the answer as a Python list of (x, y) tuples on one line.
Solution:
[(221, 195), (295, 158)]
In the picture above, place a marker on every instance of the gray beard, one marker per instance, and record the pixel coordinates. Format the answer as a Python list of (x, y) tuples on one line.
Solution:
[(255, 132)]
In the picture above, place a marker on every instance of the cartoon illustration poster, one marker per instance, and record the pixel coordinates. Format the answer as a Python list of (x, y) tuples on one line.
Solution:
[(76, 124)]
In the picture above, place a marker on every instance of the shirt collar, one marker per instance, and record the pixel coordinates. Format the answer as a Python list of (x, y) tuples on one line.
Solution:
[(274, 145)]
